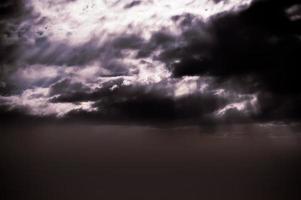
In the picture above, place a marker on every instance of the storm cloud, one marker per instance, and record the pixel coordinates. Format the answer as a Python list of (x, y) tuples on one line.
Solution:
[(152, 60)]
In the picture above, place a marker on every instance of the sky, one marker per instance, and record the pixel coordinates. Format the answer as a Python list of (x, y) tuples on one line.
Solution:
[(203, 60)]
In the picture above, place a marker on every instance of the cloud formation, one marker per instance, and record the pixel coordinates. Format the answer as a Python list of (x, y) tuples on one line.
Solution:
[(151, 59)]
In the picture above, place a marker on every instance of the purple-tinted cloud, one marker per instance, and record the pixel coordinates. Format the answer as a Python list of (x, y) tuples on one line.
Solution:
[(190, 59)]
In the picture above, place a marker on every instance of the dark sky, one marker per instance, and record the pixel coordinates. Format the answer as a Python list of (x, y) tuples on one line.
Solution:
[(151, 60)]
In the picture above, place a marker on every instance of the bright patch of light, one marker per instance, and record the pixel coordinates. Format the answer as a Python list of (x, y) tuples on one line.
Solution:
[(245, 107), (37, 103), (80, 21)]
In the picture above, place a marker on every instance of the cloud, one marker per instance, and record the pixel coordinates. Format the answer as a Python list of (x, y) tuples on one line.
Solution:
[(35, 102), (151, 59)]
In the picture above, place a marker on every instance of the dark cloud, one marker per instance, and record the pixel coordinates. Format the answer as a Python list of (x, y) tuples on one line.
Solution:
[(132, 4), (260, 42), (140, 102), (128, 42), (134, 104), (11, 8)]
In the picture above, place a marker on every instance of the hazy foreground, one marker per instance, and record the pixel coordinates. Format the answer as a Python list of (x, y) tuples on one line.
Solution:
[(71, 162)]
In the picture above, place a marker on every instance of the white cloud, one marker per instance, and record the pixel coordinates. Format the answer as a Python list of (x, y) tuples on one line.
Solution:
[(36, 72), (191, 85), (36, 102), (245, 107), (77, 22)]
